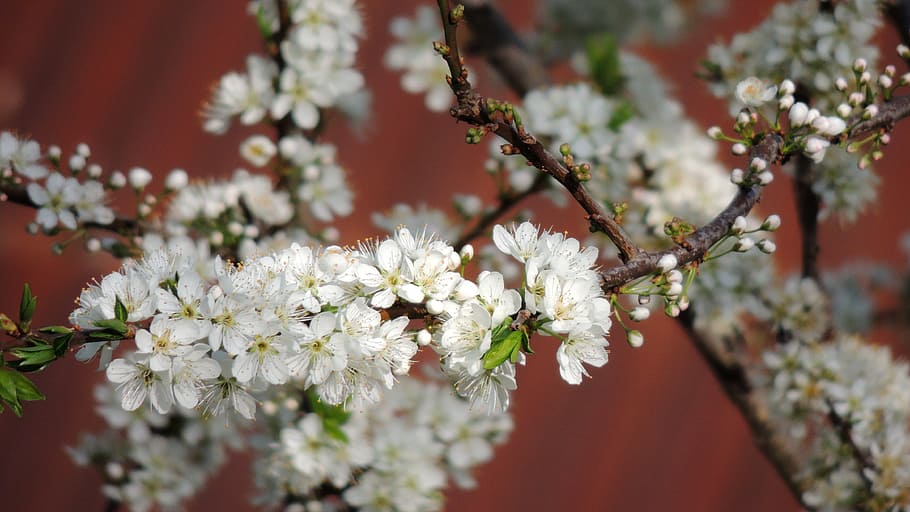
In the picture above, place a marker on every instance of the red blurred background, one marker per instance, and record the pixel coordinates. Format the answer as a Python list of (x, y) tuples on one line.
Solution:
[(651, 430)]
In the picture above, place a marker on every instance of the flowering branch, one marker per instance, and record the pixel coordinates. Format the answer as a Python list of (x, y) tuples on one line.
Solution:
[(121, 225), (477, 110)]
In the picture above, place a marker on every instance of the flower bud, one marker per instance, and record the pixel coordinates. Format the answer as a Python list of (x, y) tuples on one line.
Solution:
[(840, 84), (771, 223), (765, 178), (674, 276), (674, 290), (737, 176), (885, 81), (94, 171), (766, 246), (635, 338), (435, 307), (683, 303), (424, 337), (787, 87), (798, 113), (467, 253), (672, 310), (77, 163), (758, 164), (844, 110), (738, 149), (739, 225), (118, 180), (139, 177), (639, 313), (83, 150), (744, 244), (859, 65), (176, 179), (666, 263), (54, 152)]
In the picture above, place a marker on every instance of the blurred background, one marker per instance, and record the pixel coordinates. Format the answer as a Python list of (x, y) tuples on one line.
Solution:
[(651, 431)]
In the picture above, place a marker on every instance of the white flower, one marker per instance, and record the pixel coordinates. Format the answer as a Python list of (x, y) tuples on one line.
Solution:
[(328, 195), (815, 148), (467, 336), (176, 179), (165, 340), (190, 373), (317, 350), (501, 303), (247, 95), (137, 381), (258, 150), (521, 243), (753, 92), (581, 346), (22, 156), (55, 202), (265, 357)]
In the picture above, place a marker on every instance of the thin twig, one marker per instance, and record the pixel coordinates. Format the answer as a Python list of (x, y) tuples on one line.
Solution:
[(472, 108), (506, 203)]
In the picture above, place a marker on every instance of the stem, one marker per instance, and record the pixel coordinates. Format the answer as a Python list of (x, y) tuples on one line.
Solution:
[(808, 204)]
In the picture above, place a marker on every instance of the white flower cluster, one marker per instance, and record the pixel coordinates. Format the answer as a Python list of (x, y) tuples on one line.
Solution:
[(799, 309), (802, 41), (424, 70), (227, 212), (150, 461), (566, 25), (396, 455), (319, 51), (866, 389), (323, 187), (561, 288), (62, 201), (435, 221)]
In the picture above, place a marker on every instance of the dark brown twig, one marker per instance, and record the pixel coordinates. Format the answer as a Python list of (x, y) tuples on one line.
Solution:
[(472, 108)]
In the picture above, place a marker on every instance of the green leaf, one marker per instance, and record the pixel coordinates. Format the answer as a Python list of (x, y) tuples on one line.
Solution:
[(7, 386), (114, 324), (526, 344), (27, 305), (34, 356), (56, 329), (62, 344), (623, 112), (603, 63), (501, 349), (333, 429), (104, 336), (26, 388), (120, 312)]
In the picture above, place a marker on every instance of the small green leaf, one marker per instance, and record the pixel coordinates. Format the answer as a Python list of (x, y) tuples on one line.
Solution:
[(114, 324), (7, 386), (623, 112), (62, 344), (120, 312), (26, 388), (56, 329), (501, 349), (104, 336), (526, 344), (604, 64), (27, 305), (333, 429)]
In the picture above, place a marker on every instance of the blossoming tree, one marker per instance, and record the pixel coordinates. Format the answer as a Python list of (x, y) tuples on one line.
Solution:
[(371, 373)]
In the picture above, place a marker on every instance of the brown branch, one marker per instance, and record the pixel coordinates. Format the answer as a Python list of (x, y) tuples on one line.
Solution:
[(473, 109), (491, 37), (844, 430), (506, 203), (808, 204)]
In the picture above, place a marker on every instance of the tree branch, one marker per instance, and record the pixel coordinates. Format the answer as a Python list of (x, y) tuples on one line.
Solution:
[(506, 203), (474, 109), (121, 225), (808, 204)]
